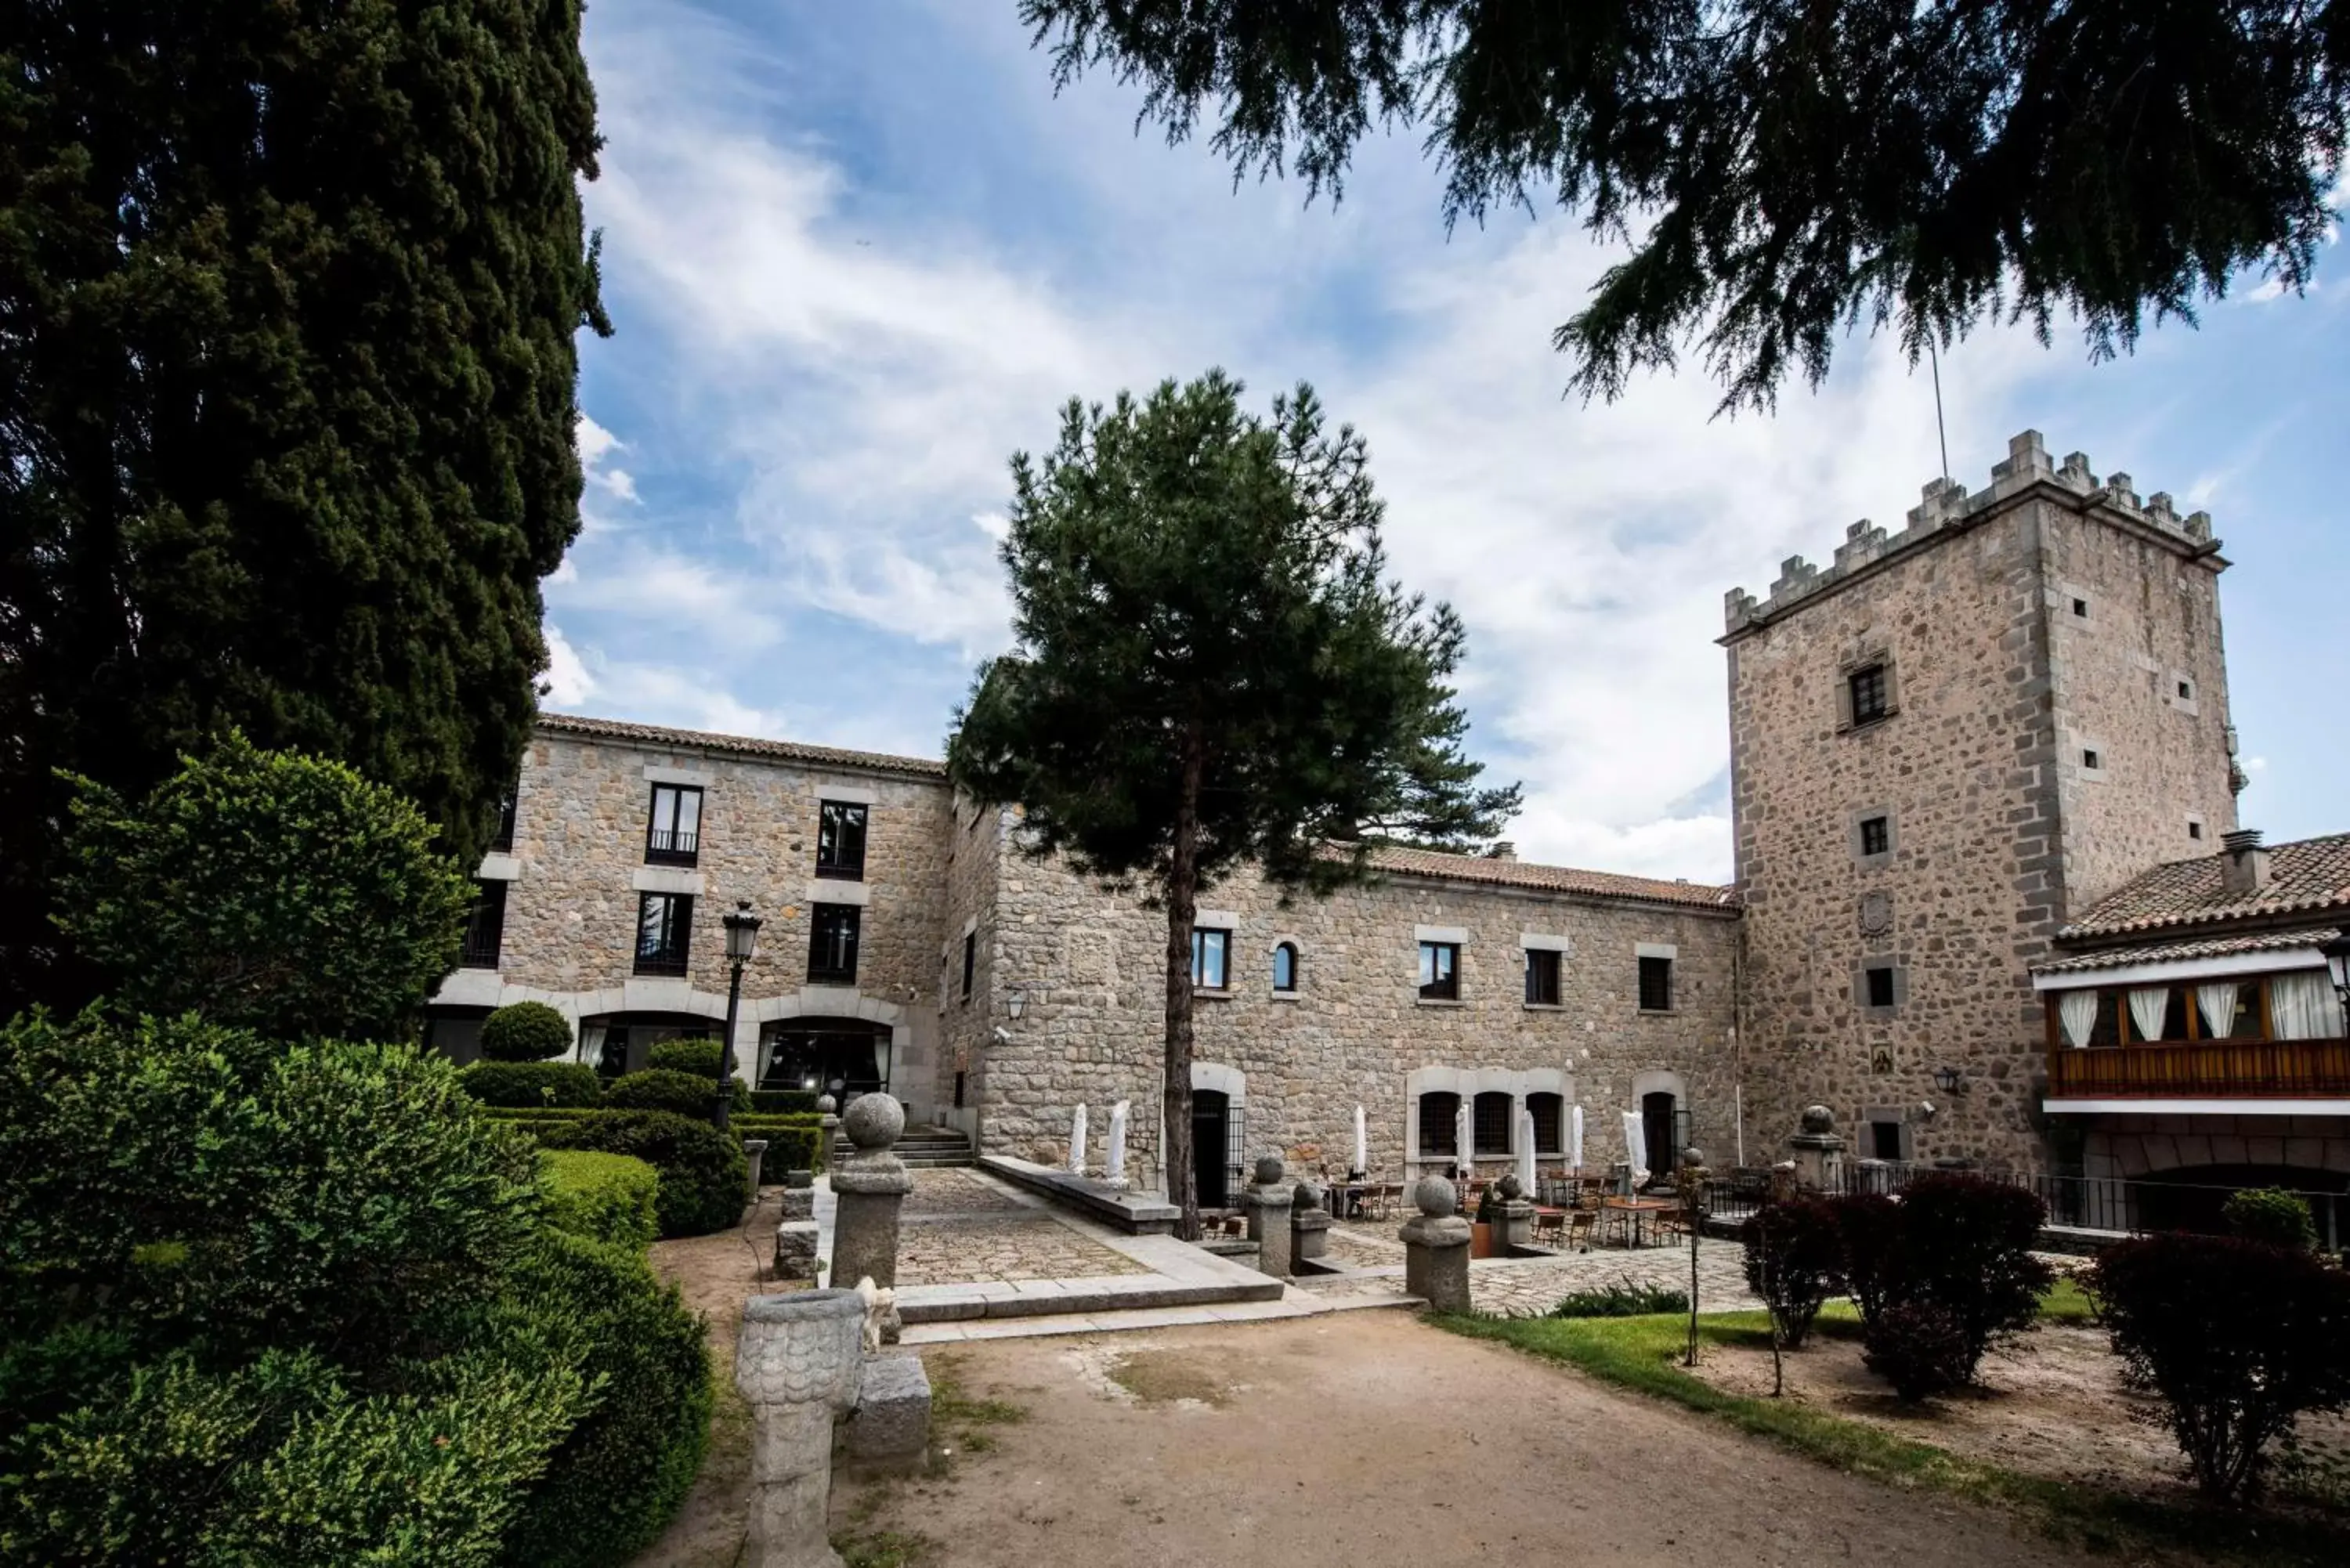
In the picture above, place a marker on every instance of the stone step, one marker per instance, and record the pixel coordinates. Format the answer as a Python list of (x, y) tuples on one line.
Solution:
[(1054, 1298)]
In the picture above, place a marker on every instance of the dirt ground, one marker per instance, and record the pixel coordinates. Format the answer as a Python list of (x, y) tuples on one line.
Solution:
[(1364, 1439), (2050, 1403)]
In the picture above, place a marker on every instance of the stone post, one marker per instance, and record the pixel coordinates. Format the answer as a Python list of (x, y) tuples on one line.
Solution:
[(1819, 1151), (1516, 1228), (799, 1361), (1114, 1167), (828, 1128), (1309, 1223), (867, 1190), (1268, 1198), (1436, 1247), (755, 1155)]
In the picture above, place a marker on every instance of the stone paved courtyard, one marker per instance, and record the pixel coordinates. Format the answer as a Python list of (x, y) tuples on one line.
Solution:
[(1531, 1287), (958, 1227)]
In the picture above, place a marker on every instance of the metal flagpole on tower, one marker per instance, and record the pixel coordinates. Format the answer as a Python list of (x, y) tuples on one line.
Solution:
[(1935, 360)]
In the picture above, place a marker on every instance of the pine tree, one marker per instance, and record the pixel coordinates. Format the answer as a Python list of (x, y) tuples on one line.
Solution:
[(287, 302), (1212, 671), (1782, 169)]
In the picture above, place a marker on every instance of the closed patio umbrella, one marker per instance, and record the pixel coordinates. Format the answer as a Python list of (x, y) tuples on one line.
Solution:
[(1575, 1143), (1636, 1149), (1461, 1147)]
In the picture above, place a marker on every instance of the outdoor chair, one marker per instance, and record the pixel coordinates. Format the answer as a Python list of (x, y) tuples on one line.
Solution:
[(1579, 1225), (1550, 1226)]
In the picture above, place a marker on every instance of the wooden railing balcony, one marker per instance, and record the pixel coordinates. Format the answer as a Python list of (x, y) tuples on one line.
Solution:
[(2209, 1069)]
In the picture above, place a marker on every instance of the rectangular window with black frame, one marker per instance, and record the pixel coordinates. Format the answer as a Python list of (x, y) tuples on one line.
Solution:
[(969, 961), (1437, 1111), (1868, 694), (1210, 949), (840, 840), (673, 830), (1541, 977), (1656, 985), (502, 840), (1440, 971), (486, 926), (1488, 1121), (832, 944), (664, 924)]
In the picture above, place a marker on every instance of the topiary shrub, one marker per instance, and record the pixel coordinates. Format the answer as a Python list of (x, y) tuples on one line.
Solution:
[(702, 1171), (1870, 1226), (532, 1085), (784, 1102), (697, 1056), (1918, 1346), (607, 1198), (615, 1480), (2272, 1215), (794, 1143), (667, 1089), (525, 1032), (2236, 1338), (269, 890), (1794, 1261)]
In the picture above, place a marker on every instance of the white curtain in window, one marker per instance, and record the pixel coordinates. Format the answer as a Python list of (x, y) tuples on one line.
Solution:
[(2148, 1003), (2301, 1005), (881, 1058), (2077, 1010), (2216, 999)]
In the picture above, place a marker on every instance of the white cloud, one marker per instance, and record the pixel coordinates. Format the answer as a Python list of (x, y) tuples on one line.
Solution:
[(686, 598), (567, 682)]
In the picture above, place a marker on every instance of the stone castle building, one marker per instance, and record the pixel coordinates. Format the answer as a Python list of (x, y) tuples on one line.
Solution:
[(1966, 760)]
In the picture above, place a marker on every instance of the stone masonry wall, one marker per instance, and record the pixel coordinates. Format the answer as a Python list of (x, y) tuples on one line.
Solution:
[(1093, 1030), (2000, 829), (578, 857)]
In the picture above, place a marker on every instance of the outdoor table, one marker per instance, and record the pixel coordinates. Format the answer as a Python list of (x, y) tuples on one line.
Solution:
[(1636, 1212), (1345, 1198)]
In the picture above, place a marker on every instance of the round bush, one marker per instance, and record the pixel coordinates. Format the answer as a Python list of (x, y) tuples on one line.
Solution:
[(529, 1086), (617, 1477), (699, 1058), (667, 1089), (1794, 1261), (2272, 1216), (525, 1032), (1918, 1346), (607, 1198), (702, 1171)]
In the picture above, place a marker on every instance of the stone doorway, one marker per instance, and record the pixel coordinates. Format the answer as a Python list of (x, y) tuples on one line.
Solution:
[(1212, 1115), (1660, 1127)]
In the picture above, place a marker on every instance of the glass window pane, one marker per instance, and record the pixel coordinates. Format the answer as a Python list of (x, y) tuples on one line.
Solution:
[(689, 812)]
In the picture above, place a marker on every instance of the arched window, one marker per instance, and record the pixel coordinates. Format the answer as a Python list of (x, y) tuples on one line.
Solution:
[(1437, 1112), (1284, 966)]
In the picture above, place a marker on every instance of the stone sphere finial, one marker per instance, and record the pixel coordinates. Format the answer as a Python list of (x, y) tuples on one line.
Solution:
[(873, 1121), (1511, 1187), (1268, 1169), (826, 1104), (1693, 1156), (1436, 1197), (1818, 1119)]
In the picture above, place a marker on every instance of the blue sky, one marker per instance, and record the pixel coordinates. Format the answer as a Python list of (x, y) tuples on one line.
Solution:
[(857, 255)]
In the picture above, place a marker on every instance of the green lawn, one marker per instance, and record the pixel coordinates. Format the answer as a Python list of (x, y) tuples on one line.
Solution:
[(1644, 1353)]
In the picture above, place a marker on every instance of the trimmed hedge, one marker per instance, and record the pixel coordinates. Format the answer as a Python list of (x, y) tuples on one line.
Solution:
[(607, 1198), (667, 1089), (783, 1101), (698, 1056), (618, 1475), (531, 1084), (702, 1171), (2272, 1215), (794, 1143), (525, 1032)]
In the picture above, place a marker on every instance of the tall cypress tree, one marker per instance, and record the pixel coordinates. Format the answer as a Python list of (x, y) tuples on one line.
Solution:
[(287, 299), (1213, 671)]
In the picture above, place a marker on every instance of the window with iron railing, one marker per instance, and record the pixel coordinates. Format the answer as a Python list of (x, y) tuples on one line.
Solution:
[(673, 830), (664, 924), (485, 925), (1437, 1135), (1488, 1121), (1549, 1112)]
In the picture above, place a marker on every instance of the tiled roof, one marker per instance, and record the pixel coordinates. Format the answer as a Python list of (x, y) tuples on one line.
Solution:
[(746, 745), (2175, 952), (2306, 876), (1550, 878)]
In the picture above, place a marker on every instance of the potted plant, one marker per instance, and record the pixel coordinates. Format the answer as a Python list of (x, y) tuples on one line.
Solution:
[(1481, 1229)]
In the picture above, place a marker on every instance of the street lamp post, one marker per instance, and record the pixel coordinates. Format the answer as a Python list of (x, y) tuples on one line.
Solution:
[(742, 941), (2337, 961)]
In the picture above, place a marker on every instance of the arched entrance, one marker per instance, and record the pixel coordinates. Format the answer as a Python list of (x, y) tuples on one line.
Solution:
[(1660, 1126), (814, 1053), (2189, 1198)]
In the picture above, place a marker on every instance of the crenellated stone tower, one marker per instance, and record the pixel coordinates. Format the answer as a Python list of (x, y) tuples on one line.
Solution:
[(1940, 746)]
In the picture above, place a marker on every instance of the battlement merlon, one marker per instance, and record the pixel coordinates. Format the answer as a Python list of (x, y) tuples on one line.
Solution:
[(1946, 507)]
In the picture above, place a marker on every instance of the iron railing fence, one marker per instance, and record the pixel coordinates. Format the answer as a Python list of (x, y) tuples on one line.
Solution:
[(2077, 1202)]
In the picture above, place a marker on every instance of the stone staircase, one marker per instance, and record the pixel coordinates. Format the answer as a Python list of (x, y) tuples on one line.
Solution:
[(923, 1147)]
